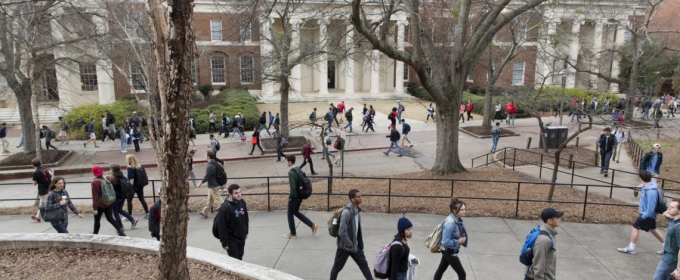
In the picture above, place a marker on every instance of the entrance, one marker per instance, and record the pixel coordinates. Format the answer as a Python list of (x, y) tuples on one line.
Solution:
[(331, 74)]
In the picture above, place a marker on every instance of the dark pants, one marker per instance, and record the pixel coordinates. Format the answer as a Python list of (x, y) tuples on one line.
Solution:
[(279, 153), (140, 196), (330, 123), (370, 126), (341, 257), (258, 145), (48, 145), (236, 249), (106, 133), (605, 157), (211, 127), (60, 227), (336, 120), (118, 210), (311, 164), (108, 212), (469, 113), (294, 210), (136, 142), (448, 259)]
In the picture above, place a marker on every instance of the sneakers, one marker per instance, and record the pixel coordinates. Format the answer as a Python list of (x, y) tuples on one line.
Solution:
[(290, 236), (314, 173), (134, 223), (202, 215), (410, 145), (400, 156), (660, 252), (314, 228), (84, 145), (386, 153), (606, 175), (96, 146), (125, 219), (121, 233), (33, 217), (146, 216), (627, 250)]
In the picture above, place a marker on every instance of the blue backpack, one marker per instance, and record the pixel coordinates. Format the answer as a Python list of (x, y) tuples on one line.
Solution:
[(526, 256)]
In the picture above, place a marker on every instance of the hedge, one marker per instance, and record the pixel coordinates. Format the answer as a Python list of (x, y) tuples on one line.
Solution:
[(231, 102), (121, 109)]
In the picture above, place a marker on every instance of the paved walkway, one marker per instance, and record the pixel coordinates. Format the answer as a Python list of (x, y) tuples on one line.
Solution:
[(585, 251)]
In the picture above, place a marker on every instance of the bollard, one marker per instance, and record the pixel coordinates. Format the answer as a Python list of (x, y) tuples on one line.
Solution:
[(529, 143), (571, 160), (577, 141), (597, 155)]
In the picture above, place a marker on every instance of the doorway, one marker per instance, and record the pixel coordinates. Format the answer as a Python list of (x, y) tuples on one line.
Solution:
[(331, 74)]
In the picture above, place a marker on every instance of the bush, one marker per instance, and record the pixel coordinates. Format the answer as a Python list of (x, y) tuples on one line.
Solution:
[(129, 96), (121, 109), (206, 90), (231, 102), (477, 90), (223, 88), (411, 88)]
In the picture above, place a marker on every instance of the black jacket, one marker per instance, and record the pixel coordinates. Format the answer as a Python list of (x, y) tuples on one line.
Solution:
[(263, 119), (233, 221), (348, 115), (116, 186), (394, 136), (606, 145), (155, 219), (110, 119), (398, 258)]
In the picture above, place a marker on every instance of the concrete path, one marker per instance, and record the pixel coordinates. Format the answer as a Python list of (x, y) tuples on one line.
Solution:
[(585, 251)]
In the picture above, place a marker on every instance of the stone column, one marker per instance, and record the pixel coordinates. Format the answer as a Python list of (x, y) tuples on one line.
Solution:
[(573, 52), (349, 62), (323, 57), (399, 71), (265, 57), (295, 76), (597, 48), (375, 72), (618, 41), (549, 58)]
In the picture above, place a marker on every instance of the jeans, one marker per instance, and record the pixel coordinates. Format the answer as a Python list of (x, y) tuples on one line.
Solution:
[(236, 131), (428, 117), (399, 117), (140, 196), (401, 275), (330, 123), (311, 164), (122, 144), (447, 260), (294, 210), (495, 143), (349, 124), (392, 144), (370, 126), (224, 129), (341, 257), (664, 270), (21, 141), (60, 227), (263, 126), (656, 123), (193, 177), (118, 210), (109, 217), (236, 249), (645, 113), (605, 157), (47, 144), (511, 119), (136, 143), (279, 152), (325, 151)]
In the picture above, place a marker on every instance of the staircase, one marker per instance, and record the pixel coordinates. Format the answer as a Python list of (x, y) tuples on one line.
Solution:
[(48, 114)]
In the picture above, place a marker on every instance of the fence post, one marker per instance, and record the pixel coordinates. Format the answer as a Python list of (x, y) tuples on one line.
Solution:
[(611, 189), (487, 159), (528, 143), (517, 201), (504, 152), (473, 163), (328, 196), (540, 170), (153, 188), (452, 181), (573, 165), (571, 160), (269, 206), (514, 156), (585, 203), (577, 138), (389, 196)]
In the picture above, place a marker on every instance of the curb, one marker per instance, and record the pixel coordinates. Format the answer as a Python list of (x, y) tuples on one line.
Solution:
[(485, 137)]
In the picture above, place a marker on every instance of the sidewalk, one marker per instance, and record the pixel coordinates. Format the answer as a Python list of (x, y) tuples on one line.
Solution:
[(585, 251)]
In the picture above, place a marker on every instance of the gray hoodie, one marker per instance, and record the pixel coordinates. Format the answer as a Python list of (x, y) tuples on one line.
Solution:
[(545, 256), (349, 233)]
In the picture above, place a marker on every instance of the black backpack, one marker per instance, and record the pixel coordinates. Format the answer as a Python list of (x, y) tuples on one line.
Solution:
[(217, 145), (304, 188), (144, 123), (220, 175), (216, 224), (141, 179), (126, 188)]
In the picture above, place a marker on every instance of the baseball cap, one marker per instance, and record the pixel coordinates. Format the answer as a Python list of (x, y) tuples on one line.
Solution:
[(97, 171), (656, 145), (549, 213)]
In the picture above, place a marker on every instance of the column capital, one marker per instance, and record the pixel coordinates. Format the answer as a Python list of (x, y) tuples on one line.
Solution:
[(324, 21), (295, 21), (402, 23)]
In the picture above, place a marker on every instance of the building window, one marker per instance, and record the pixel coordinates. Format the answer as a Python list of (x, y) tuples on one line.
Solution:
[(406, 70), (137, 79), (522, 31), (407, 33), (471, 75), (218, 69), (88, 76), (193, 72), (626, 36), (216, 30), (134, 25), (518, 73), (247, 71), (246, 32)]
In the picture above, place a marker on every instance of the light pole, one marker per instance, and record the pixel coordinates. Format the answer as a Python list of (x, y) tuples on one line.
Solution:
[(563, 72)]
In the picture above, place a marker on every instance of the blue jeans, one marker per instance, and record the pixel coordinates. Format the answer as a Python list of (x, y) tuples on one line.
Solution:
[(399, 117), (341, 257), (393, 144), (645, 113), (495, 143), (224, 128), (294, 210), (349, 123), (664, 270), (401, 275), (326, 151), (263, 126), (118, 210), (60, 227), (235, 131), (122, 144), (21, 141), (605, 157)]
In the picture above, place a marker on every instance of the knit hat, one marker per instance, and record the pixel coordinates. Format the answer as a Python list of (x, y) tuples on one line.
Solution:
[(403, 224)]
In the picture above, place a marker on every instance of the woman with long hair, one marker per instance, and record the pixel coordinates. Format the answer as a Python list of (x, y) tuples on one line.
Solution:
[(134, 169), (454, 235), (116, 180), (58, 198)]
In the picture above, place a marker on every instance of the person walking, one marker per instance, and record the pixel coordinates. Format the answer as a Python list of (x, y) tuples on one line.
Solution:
[(49, 135), (294, 201), (498, 115), (3, 138), (368, 122), (652, 161), (57, 200), (192, 175), (223, 126), (405, 129), (394, 141), (340, 147), (399, 250), (263, 123), (277, 123), (235, 129), (621, 140), (105, 129), (348, 116), (469, 108), (136, 136), (271, 119), (657, 115), (42, 178), (544, 263), (212, 119), (137, 176), (393, 117), (606, 143), (334, 115), (605, 106), (646, 220), (256, 142), (233, 223), (307, 156), (90, 131), (118, 179), (111, 122), (279, 146), (63, 134), (350, 242), (341, 109), (667, 268), (155, 217), (430, 113), (400, 110), (312, 121), (100, 208), (192, 137), (213, 143), (510, 111), (329, 118), (326, 148), (671, 109), (123, 135), (213, 186), (495, 135), (461, 112), (454, 235)]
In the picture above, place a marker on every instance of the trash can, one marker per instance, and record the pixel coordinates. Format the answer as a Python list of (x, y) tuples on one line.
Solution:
[(554, 136)]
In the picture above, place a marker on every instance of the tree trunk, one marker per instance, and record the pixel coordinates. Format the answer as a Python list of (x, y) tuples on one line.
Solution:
[(35, 91), (632, 81), (283, 107), (174, 47), (447, 160), (488, 105), (25, 106), (556, 167)]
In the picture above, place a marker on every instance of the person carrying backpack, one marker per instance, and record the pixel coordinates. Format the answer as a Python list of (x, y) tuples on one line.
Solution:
[(307, 156), (98, 206), (350, 241), (256, 141), (495, 135), (211, 176), (49, 135), (394, 141), (544, 262), (399, 250), (294, 201), (232, 221), (667, 267), (454, 234), (42, 178), (280, 144), (649, 197), (155, 217), (263, 123), (138, 178), (123, 189)]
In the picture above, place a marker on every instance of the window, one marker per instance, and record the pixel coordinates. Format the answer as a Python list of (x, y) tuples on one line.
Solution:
[(626, 36), (88, 76), (407, 33), (518, 73), (246, 32), (406, 68), (247, 71), (216, 30), (134, 25), (218, 69), (522, 31), (471, 75), (137, 79), (193, 72)]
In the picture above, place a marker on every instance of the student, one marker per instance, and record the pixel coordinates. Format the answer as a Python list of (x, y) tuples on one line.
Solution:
[(495, 135), (3, 138), (349, 117), (212, 120), (136, 136), (454, 235), (341, 109), (545, 248), (606, 143), (326, 148), (652, 161), (123, 135), (430, 113), (668, 266), (213, 144), (350, 240), (468, 109), (312, 120), (399, 250), (41, 178), (48, 137), (511, 110), (307, 157), (621, 140), (405, 129), (134, 170), (233, 223), (192, 176), (256, 141), (294, 201), (213, 185), (58, 198), (63, 134), (394, 141), (155, 217), (400, 110), (263, 123), (279, 145), (100, 208), (647, 219), (271, 120), (117, 179), (90, 131), (105, 129), (461, 112)]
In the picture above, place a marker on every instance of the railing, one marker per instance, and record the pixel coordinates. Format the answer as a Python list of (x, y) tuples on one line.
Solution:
[(635, 151), (517, 199)]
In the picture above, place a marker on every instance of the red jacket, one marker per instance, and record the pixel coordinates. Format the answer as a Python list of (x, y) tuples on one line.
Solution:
[(510, 108), (469, 107), (97, 193), (308, 151), (341, 108)]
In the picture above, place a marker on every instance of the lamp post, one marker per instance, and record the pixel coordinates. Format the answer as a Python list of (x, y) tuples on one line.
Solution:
[(563, 72)]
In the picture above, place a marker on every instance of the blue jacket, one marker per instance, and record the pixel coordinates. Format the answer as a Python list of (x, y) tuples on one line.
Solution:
[(405, 129), (452, 232), (90, 128), (648, 199), (271, 119), (647, 161), (3, 132)]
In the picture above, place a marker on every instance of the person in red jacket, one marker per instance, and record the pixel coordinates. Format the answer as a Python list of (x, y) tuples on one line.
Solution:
[(307, 156), (469, 110), (341, 109), (510, 110), (99, 207)]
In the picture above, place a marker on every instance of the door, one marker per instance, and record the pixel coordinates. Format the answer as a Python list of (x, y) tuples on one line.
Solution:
[(331, 74)]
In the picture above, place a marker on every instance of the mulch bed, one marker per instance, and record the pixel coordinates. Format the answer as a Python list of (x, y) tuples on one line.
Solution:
[(526, 158), (44, 263), (20, 158), (671, 160), (295, 143), (639, 124), (486, 132)]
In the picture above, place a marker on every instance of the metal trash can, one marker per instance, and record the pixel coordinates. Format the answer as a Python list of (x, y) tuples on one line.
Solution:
[(554, 136)]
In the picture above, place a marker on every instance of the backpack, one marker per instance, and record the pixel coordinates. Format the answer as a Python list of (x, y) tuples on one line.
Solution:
[(329, 141), (144, 123), (217, 144), (334, 221), (390, 116), (327, 117), (311, 116), (220, 175), (52, 134), (284, 142), (216, 224), (126, 188), (108, 196), (381, 265), (526, 256), (304, 188), (495, 131), (336, 145), (434, 240), (661, 204), (303, 150), (48, 174), (141, 179), (136, 133), (335, 111), (227, 120)]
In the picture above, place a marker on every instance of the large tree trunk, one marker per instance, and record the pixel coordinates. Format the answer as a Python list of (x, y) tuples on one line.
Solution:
[(35, 92), (447, 160), (174, 48), (632, 82), (488, 106), (283, 107), (24, 103)]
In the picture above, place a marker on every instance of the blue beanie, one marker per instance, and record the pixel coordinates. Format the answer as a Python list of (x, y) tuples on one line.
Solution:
[(403, 224)]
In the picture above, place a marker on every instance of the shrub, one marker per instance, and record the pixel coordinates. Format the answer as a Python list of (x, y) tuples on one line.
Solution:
[(477, 90), (121, 109), (129, 96), (206, 90), (223, 88), (231, 102), (411, 88)]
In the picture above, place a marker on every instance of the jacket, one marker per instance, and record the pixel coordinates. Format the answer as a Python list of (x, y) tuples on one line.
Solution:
[(672, 244), (453, 230), (649, 196), (116, 186), (233, 223), (271, 119), (405, 128), (155, 219), (213, 145), (96, 187), (606, 144), (308, 151), (263, 119), (211, 175), (349, 234), (647, 161), (348, 116), (90, 128), (293, 181), (545, 256), (52, 202), (3, 132), (510, 108), (398, 258), (394, 136)]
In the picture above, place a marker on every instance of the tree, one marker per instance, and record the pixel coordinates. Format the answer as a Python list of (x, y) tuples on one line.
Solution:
[(655, 64), (174, 47), (443, 76)]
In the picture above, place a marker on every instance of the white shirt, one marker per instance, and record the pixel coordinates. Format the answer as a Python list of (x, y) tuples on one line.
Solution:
[(621, 136), (498, 107)]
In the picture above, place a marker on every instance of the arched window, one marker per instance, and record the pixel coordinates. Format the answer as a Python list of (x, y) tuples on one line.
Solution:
[(247, 70), (218, 69)]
